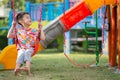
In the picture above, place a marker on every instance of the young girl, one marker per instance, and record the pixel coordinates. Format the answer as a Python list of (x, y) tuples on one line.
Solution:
[(26, 38)]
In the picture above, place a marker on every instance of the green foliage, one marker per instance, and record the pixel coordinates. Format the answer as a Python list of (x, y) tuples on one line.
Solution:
[(3, 33), (3, 39), (60, 42), (3, 22), (19, 4), (3, 42)]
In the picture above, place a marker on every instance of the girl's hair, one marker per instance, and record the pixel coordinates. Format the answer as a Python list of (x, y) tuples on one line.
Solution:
[(20, 16)]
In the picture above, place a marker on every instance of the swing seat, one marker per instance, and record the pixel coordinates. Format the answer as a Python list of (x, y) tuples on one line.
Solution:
[(36, 48)]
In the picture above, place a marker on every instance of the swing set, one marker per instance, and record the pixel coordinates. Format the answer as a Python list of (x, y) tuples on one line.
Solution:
[(65, 21), (12, 50), (39, 26)]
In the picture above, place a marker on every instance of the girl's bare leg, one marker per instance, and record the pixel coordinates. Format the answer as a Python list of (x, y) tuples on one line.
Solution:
[(17, 69)]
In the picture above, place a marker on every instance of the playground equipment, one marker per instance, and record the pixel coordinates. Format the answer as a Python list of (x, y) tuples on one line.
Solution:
[(49, 10), (112, 37), (92, 44), (36, 48), (66, 21)]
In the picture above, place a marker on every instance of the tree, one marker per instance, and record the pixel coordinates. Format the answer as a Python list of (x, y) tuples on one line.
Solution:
[(19, 4)]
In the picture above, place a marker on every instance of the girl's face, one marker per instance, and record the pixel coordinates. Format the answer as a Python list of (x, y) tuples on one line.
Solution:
[(27, 20)]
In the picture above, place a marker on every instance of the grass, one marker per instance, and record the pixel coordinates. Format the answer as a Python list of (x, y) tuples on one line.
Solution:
[(52, 65)]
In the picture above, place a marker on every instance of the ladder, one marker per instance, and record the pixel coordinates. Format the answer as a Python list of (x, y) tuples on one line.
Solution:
[(92, 30)]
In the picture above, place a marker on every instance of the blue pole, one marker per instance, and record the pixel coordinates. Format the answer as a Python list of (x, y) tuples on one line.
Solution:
[(67, 34), (10, 41), (43, 12), (60, 9), (28, 7), (67, 6), (50, 11)]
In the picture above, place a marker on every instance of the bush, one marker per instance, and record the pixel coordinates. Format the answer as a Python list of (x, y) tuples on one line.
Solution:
[(3, 42), (60, 42), (54, 44)]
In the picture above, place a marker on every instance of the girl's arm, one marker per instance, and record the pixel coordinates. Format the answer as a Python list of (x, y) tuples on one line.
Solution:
[(11, 33), (42, 37)]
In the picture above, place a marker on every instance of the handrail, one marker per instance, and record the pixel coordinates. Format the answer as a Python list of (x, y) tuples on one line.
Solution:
[(4, 28)]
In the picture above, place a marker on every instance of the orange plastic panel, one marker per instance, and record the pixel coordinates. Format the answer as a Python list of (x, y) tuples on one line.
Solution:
[(95, 4), (74, 15)]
